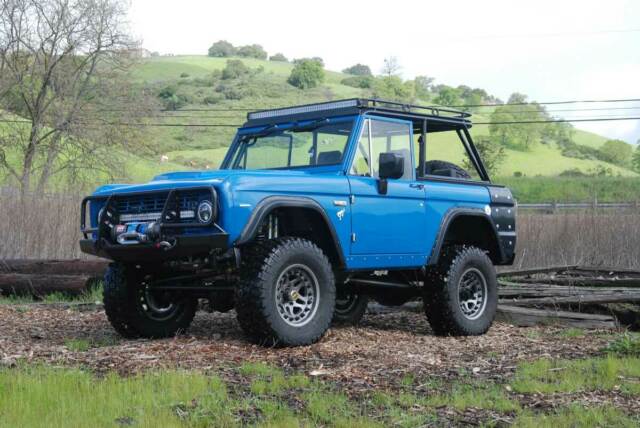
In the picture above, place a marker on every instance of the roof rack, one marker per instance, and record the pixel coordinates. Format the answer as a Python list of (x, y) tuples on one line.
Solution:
[(360, 103)]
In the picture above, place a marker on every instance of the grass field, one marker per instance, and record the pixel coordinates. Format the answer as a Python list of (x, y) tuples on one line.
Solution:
[(263, 395)]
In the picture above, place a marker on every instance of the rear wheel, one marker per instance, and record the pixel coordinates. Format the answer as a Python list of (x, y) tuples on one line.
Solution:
[(350, 307), (135, 310), (461, 295), (286, 294)]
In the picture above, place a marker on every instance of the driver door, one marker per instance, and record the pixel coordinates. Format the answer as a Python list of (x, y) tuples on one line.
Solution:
[(392, 223)]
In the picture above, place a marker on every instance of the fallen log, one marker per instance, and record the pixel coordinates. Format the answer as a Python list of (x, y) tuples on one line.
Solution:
[(54, 267), (584, 281), (580, 298), (534, 271), (528, 317), (40, 285)]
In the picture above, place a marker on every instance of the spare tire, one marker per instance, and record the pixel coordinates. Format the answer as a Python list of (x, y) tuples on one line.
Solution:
[(446, 169)]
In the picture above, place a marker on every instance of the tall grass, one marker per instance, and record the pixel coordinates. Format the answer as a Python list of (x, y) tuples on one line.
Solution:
[(39, 226), (49, 227)]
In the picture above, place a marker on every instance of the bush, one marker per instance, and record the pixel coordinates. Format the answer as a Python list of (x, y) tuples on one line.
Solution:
[(231, 92), (617, 152), (222, 49), (364, 82), (184, 75), (171, 99), (212, 99), (307, 73), (252, 51), (278, 57), (358, 70), (234, 69), (391, 88)]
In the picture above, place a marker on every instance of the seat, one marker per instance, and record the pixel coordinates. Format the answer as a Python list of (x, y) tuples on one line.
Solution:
[(329, 158)]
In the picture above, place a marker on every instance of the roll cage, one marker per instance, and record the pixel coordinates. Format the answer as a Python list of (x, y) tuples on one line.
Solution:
[(425, 120)]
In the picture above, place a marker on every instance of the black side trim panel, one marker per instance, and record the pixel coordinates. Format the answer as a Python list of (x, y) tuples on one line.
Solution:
[(503, 214), (447, 219), (270, 203)]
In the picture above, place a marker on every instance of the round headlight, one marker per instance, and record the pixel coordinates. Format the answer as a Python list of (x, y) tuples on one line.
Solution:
[(205, 212)]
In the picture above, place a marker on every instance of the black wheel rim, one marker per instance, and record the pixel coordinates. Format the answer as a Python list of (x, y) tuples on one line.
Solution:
[(156, 305), (472, 293), (297, 295)]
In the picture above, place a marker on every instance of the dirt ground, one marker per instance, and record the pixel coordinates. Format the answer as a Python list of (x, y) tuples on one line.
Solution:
[(376, 354)]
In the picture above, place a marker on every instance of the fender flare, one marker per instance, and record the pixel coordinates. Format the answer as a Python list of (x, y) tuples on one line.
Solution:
[(268, 204), (449, 216)]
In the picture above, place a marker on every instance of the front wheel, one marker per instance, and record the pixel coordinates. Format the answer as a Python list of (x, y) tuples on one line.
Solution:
[(286, 294), (135, 310), (461, 293)]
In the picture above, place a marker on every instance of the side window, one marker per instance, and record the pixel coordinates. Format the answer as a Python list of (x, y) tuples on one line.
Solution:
[(392, 137), (447, 147), (361, 161)]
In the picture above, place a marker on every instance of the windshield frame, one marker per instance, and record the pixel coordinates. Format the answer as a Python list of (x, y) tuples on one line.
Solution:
[(245, 134)]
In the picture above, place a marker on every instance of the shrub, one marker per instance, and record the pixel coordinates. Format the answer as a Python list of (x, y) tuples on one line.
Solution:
[(234, 69), (231, 92), (184, 75), (307, 73), (617, 152), (252, 51), (358, 70), (212, 99), (278, 57), (363, 82), (171, 99), (221, 49)]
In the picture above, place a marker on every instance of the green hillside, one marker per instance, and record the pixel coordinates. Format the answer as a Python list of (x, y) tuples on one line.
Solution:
[(201, 147), (196, 81)]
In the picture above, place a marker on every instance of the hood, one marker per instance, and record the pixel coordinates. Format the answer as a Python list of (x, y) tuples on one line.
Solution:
[(172, 180)]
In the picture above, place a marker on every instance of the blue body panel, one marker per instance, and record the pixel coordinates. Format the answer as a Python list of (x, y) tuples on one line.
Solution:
[(396, 230)]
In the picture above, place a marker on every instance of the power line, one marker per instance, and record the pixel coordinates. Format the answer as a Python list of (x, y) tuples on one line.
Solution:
[(603, 119)]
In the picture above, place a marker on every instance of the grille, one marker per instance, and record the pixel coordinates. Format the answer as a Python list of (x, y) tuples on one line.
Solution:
[(149, 207)]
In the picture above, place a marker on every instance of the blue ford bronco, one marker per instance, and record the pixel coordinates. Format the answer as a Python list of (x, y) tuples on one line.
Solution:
[(315, 210)]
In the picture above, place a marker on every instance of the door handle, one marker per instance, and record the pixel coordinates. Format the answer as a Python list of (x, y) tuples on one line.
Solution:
[(417, 186)]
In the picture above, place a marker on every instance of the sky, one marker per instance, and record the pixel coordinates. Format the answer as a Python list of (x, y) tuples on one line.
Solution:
[(549, 50)]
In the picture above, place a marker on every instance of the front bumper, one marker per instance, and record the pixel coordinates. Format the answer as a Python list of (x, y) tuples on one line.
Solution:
[(185, 246)]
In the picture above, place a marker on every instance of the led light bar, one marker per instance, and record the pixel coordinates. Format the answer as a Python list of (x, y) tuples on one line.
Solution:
[(311, 108), (153, 216)]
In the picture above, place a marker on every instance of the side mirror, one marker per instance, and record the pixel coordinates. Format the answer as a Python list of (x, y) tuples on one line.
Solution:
[(391, 165)]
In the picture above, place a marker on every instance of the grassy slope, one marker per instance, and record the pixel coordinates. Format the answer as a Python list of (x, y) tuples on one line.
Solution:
[(203, 147)]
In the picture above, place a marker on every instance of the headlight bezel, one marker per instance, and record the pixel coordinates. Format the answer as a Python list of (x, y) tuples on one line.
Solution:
[(205, 206)]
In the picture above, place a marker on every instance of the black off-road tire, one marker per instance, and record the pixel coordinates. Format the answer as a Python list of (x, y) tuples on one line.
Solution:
[(350, 308), (442, 294), (435, 165), (124, 303), (263, 265)]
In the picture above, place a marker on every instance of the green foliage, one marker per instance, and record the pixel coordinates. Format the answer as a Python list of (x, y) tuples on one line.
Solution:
[(423, 86), (627, 344), (392, 88), (362, 82), (491, 153), (171, 99), (577, 416), (278, 57), (635, 160), (519, 136), (252, 51), (573, 189), (234, 69), (448, 96), (358, 70), (306, 74), (184, 75), (222, 49), (617, 152)]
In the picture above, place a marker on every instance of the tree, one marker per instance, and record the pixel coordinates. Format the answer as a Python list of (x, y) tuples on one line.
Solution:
[(278, 57), (520, 124), (447, 96), (491, 153), (423, 86), (391, 66), (234, 69), (307, 73), (63, 77), (392, 88), (252, 51), (635, 161), (222, 49), (358, 70), (617, 152)]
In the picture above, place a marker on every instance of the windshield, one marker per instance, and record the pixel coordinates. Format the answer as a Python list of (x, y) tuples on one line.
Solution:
[(314, 144)]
